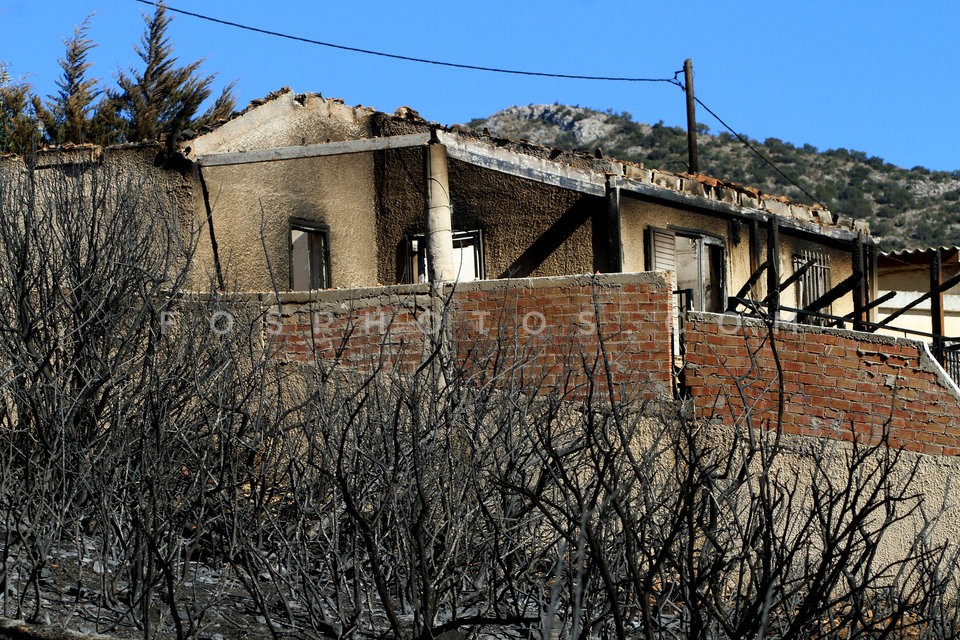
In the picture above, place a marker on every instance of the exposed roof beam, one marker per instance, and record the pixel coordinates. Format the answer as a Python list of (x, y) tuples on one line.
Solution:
[(522, 165), (656, 192), (362, 145)]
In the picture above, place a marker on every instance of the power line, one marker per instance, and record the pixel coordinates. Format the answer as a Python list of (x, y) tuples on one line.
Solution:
[(756, 151), (396, 56)]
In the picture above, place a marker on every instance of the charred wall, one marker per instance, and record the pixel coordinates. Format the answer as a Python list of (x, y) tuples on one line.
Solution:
[(530, 229), (253, 205), (401, 203)]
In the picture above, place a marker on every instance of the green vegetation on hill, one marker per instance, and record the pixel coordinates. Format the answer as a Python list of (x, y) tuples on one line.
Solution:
[(905, 207)]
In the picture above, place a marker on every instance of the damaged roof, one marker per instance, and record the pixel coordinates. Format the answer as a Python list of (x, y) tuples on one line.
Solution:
[(406, 120)]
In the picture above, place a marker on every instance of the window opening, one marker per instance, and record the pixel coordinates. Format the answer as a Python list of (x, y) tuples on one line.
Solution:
[(309, 256), (697, 262), (467, 256)]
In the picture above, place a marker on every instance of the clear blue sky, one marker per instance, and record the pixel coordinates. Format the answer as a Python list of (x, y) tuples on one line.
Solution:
[(880, 77)]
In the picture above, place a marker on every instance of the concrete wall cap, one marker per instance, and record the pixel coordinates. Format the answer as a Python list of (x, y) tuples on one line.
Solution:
[(396, 293)]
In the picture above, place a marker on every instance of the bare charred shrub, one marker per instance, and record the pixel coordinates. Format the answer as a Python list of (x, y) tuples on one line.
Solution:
[(165, 469), (479, 498), (798, 537), (118, 423)]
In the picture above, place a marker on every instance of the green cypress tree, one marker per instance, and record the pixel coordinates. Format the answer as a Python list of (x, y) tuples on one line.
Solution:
[(68, 117), (18, 123), (163, 98)]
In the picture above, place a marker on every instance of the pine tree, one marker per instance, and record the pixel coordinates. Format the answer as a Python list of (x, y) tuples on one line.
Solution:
[(164, 98), (68, 117)]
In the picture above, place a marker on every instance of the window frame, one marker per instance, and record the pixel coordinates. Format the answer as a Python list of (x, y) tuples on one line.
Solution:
[(416, 258), (703, 239), (313, 228)]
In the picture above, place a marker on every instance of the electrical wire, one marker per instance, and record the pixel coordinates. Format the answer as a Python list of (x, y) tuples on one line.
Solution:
[(747, 143), (674, 80), (396, 56)]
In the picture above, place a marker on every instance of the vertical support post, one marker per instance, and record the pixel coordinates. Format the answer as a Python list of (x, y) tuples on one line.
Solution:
[(936, 303), (694, 165), (438, 220), (773, 268), (860, 288), (614, 244), (872, 285), (755, 253)]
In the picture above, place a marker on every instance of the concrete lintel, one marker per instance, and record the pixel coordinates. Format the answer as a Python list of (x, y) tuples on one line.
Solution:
[(361, 145), (729, 209), (521, 165)]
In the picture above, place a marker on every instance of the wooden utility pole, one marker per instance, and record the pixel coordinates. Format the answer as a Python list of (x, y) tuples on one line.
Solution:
[(694, 166)]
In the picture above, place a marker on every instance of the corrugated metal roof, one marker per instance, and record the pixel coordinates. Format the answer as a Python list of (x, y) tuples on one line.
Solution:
[(918, 252)]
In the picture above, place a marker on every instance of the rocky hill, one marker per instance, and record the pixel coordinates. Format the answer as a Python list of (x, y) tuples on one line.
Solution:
[(905, 207)]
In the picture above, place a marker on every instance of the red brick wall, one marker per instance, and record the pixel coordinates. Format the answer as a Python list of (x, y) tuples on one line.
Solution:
[(569, 333), (832, 379), (352, 328), (542, 333)]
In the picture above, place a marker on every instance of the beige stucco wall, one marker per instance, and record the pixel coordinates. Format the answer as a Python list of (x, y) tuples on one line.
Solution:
[(333, 190), (915, 278), (910, 283), (174, 189), (841, 268), (918, 318), (933, 483), (637, 215), (139, 176)]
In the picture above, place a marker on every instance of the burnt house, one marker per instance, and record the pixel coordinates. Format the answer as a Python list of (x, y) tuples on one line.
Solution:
[(348, 197)]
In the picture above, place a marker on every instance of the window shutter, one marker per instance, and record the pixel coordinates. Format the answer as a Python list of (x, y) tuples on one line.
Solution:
[(663, 251), (815, 282)]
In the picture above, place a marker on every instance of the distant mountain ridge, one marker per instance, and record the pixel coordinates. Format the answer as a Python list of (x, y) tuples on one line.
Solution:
[(906, 208)]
